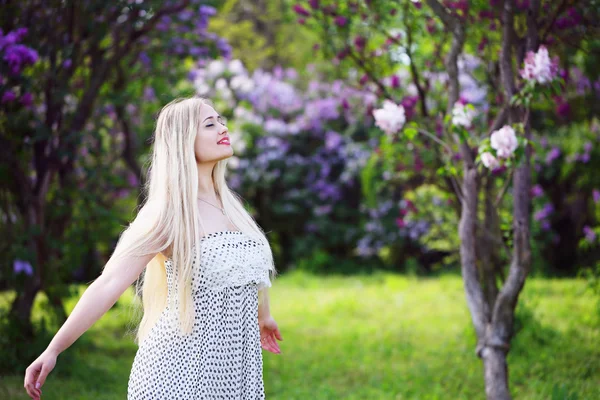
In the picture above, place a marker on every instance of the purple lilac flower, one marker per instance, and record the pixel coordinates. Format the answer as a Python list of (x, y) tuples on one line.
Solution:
[(144, 59), (224, 47), (562, 107), (207, 10), (544, 212), (149, 94), (27, 99), (8, 96), (132, 179), (326, 190), (277, 126), (322, 210), (22, 266), (311, 227), (590, 235), (537, 191), (332, 140), (301, 10), (365, 248), (596, 195), (340, 21), (552, 155), (18, 56)]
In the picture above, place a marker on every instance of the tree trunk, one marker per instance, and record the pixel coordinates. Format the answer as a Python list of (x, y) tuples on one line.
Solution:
[(20, 310), (496, 374)]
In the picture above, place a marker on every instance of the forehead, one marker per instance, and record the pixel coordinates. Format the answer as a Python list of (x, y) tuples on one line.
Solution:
[(207, 111)]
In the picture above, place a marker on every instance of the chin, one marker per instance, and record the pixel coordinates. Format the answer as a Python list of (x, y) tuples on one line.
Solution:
[(225, 157)]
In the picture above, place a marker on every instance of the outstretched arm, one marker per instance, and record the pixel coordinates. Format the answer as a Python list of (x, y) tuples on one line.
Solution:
[(97, 299)]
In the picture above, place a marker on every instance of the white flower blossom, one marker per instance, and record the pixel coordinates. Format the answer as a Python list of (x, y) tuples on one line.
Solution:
[(462, 115), (236, 67), (390, 118), (215, 69), (504, 141), (489, 161)]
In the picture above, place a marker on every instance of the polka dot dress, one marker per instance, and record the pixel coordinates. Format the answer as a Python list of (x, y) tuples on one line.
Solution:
[(222, 357)]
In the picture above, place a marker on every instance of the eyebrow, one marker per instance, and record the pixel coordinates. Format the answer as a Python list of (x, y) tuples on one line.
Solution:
[(210, 118)]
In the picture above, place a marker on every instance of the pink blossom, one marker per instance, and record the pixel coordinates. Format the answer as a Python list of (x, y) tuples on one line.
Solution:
[(596, 195), (489, 161), (504, 141), (390, 118), (538, 66)]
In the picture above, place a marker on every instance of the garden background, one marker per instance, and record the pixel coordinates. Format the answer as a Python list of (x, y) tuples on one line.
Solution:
[(427, 173)]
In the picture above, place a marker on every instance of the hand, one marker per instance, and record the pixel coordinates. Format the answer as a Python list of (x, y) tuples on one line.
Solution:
[(268, 333), (36, 373)]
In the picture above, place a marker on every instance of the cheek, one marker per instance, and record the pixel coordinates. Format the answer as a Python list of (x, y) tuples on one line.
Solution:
[(202, 148)]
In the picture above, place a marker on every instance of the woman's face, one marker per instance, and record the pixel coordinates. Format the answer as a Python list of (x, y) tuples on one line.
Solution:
[(212, 140)]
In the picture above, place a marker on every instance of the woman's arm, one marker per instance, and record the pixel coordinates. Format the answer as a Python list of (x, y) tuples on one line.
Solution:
[(98, 298), (95, 301), (263, 306), (269, 331)]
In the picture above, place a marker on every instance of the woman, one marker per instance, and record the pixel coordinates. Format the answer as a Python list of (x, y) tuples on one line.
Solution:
[(206, 269)]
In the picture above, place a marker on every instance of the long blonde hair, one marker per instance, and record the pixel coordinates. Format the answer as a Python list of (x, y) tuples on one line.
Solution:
[(169, 221)]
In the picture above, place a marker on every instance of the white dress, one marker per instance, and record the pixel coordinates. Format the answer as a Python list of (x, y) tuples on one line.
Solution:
[(222, 358)]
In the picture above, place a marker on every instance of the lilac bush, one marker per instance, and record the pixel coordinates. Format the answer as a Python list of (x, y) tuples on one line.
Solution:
[(303, 146)]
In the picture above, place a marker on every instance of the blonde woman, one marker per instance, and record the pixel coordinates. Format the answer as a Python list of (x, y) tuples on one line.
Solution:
[(205, 268)]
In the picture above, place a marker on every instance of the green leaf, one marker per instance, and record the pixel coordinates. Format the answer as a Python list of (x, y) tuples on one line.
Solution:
[(410, 133), (447, 119)]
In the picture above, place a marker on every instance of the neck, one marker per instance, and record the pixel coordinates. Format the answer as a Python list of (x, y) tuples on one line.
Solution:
[(206, 186)]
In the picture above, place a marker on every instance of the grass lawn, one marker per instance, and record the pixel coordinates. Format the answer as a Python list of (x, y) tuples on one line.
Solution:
[(379, 337)]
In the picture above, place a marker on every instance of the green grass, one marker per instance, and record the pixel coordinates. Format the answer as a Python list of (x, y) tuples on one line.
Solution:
[(379, 337)]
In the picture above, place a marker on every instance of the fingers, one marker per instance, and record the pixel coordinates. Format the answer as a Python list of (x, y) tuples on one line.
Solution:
[(265, 344), (32, 391), (42, 378), (271, 340), (268, 343), (278, 334), (30, 380)]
